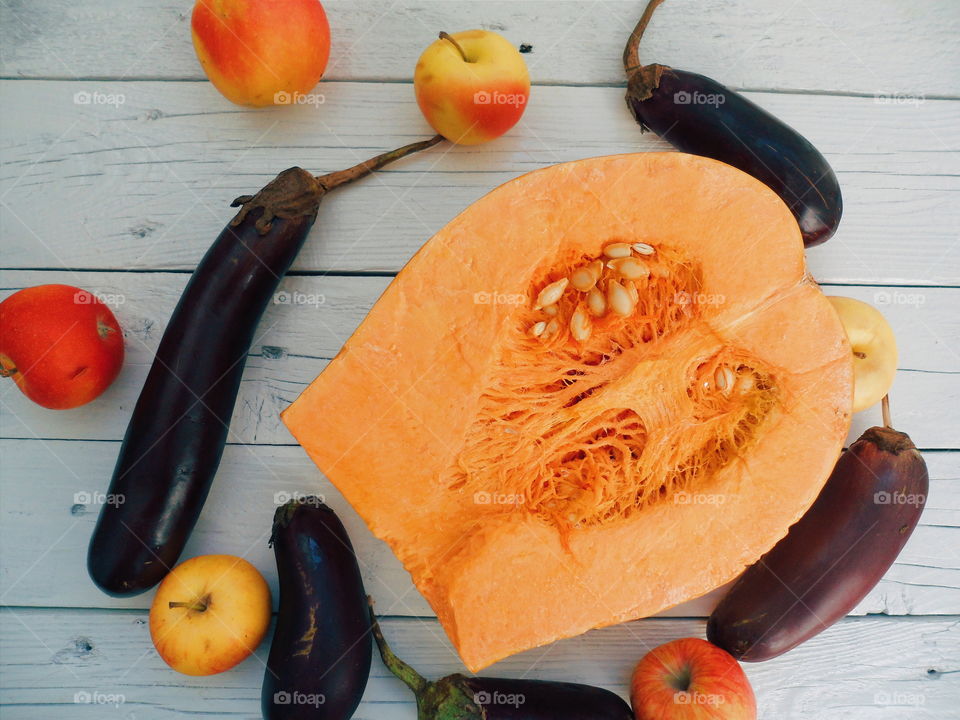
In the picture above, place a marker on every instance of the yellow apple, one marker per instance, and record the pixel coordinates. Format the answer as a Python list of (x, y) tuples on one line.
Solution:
[(209, 613), (874, 350), (471, 86)]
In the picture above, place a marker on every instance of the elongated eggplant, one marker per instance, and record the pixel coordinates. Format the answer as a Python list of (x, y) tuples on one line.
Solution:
[(320, 655), (458, 697), (698, 115), (179, 426), (833, 556)]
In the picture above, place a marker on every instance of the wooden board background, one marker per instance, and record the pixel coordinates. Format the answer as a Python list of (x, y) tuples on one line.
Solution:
[(122, 197)]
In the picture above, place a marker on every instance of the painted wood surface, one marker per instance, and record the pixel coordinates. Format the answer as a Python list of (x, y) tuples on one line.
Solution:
[(860, 669), (146, 184), (882, 46)]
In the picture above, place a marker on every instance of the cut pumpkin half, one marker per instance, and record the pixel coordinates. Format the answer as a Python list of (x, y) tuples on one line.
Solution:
[(602, 390)]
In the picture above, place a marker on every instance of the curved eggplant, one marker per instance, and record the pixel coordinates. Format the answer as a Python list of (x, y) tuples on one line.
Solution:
[(458, 697), (179, 426), (833, 556), (320, 655), (698, 115)]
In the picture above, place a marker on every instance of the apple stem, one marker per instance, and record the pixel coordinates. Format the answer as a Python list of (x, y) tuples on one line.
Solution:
[(7, 371), (885, 406), (196, 605), (448, 37)]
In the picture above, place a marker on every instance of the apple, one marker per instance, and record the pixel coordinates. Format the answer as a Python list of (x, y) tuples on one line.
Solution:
[(874, 350), (471, 86), (61, 345), (268, 52), (691, 679), (209, 613)]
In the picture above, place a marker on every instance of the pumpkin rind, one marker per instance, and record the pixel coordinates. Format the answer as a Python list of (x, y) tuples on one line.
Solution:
[(447, 425)]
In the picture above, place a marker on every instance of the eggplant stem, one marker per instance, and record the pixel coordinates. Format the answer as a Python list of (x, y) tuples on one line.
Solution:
[(342, 177), (631, 53), (410, 677), (885, 407)]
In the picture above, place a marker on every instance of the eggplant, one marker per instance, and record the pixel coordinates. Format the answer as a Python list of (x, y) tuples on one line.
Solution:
[(179, 427), (320, 655), (833, 556), (698, 115), (458, 697)]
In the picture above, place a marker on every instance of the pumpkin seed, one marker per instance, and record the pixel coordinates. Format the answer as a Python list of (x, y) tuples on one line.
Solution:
[(553, 327), (724, 378), (551, 293), (583, 278), (619, 299), (596, 267), (596, 302), (550, 310), (630, 268), (538, 328), (632, 292), (617, 250), (580, 325), (643, 249)]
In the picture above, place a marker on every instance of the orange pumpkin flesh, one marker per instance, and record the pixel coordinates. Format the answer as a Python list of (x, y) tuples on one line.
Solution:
[(537, 487)]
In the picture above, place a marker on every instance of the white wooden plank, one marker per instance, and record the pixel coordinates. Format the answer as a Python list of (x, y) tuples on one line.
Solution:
[(884, 45), (146, 184), (860, 669), (294, 342), (46, 522)]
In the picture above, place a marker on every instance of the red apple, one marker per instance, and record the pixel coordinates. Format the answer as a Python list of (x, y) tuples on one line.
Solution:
[(690, 679), (60, 344), (209, 613), (471, 86), (268, 52)]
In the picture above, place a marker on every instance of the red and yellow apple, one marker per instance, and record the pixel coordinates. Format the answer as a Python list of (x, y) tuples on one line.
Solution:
[(471, 86), (874, 350), (209, 613), (60, 344), (690, 679), (261, 52)]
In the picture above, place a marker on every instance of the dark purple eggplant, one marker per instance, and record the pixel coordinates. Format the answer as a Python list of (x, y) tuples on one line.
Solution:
[(458, 697), (179, 426), (320, 655), (698, 115), (833, 556)]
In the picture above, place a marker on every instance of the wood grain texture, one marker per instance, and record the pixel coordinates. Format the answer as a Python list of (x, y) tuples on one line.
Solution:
[(146, 184), (860, 669), (815, 45), (296, 338), (52, 491)]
